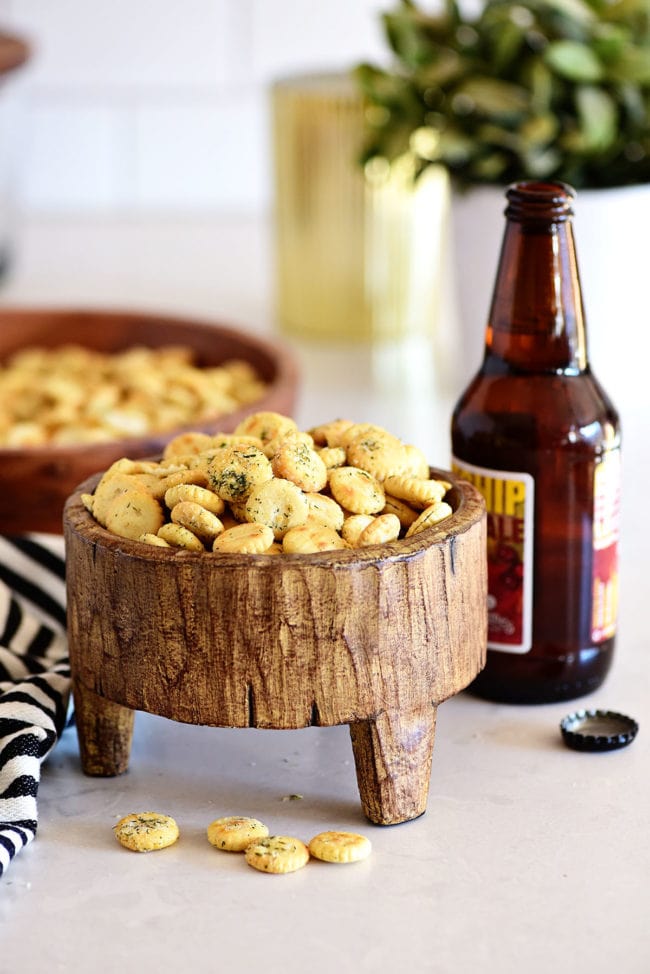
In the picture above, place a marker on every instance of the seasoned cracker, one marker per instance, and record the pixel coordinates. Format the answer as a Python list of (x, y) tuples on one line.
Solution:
[(296, 461), (310, 538), (246, 539), (275, 549), (272, 447), (196, 495), (109, 487), (340, 846), (235, 472), (378, 456), (187, 444), (155, 540), (332, 456), (277, 854), (359, 431), (234, 833), (238, 511), (265, 425), (229, 521), (383, 529), (158, 485), (180, 537), (133, 513), (125, 465), (406, 514), (204, 524), (146, 831), (194, 476), (417, 464), (330, 434), (325, 510), (221, 441), (354, 525), (420, 493), (356, 490), (279, 504), (88, 502), (430, 516)]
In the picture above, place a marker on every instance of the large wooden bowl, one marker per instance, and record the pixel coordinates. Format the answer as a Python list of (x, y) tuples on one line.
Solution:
[(37, 480), (374, 638)]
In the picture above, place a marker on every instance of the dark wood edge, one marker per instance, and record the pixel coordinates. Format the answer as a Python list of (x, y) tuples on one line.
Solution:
[(14, 51)]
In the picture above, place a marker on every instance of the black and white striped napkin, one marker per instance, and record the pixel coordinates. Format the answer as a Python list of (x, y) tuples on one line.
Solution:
[(34, 678)]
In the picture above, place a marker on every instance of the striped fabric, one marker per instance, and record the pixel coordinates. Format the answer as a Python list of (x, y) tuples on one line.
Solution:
[(34, 678)]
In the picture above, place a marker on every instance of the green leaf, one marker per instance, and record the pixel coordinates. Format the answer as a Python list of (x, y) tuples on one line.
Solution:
[(506, 45), (445, 66), (610, 43), (539, 79), (406, 39), (598, 118), (575, 10), (539, 130), (455, 148), (541, 163), (490, 168), (386, 90), (452, 13), (493, 97), (634, 107), (573, 60), (494, 135), (626, 11), (633, 67)]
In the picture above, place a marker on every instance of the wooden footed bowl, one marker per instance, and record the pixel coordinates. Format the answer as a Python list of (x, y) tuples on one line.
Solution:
[(375, 638), (36, 481)]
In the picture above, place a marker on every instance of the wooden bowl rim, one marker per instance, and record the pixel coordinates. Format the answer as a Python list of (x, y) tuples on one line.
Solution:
[(276, 351), (470, 509), (14, 52)]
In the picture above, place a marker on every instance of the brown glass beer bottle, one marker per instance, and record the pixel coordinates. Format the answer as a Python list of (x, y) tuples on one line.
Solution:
[(536, 433)]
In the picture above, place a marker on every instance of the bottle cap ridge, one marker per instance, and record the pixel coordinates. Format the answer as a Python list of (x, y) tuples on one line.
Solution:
[(598, 730), (532, 201)]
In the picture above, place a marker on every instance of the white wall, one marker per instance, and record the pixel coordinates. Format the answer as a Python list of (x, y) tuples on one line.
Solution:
[(163, 105)]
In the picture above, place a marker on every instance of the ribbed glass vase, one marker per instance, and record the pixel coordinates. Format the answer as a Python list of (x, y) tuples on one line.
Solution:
[(359, 255)]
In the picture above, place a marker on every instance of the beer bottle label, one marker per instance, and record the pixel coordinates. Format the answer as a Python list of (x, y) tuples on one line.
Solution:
[(509, 498), (607, 505)]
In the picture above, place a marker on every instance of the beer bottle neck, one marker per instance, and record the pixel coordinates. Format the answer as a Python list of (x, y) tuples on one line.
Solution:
[(536, 321)]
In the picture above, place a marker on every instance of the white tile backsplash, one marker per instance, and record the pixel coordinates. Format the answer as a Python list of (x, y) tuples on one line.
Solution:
[(211, 153), (125, 43), (73, 156), (161, 105), (297, 35)]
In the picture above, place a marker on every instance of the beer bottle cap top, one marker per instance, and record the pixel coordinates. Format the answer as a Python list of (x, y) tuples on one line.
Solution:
[(598, 730)]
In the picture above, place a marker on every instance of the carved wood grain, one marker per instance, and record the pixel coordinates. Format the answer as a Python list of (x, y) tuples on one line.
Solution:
[(285, 642)]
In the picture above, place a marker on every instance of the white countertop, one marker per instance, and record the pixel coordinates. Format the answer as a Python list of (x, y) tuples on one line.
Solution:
[(530, 857)]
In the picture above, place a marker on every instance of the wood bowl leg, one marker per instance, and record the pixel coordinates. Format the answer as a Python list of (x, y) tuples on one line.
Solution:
[(104, 730), (392, 754)]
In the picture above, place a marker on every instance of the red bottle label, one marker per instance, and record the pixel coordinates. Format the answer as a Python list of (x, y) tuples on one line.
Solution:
[(509, 498), (607, 506)]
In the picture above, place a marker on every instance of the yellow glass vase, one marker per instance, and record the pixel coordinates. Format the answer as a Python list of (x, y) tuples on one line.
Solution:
[(359, 255)]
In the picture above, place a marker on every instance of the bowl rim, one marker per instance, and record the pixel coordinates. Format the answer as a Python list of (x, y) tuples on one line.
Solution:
[(275, 350), (14, 52), (470, 510)]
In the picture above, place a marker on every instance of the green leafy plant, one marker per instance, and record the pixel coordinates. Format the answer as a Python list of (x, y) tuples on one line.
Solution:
[(544, 89)]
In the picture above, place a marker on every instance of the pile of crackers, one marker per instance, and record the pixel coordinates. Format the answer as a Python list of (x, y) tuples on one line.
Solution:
[(269, 488)]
